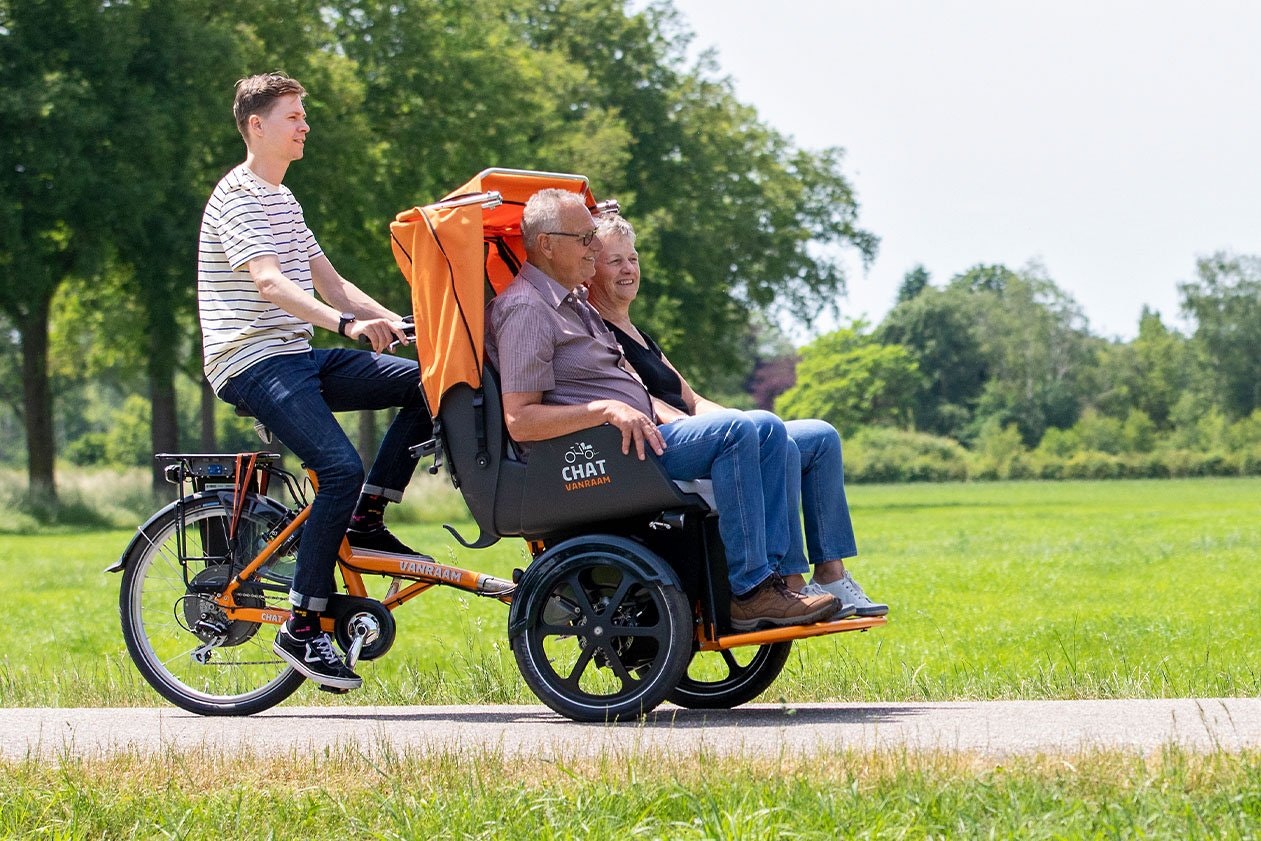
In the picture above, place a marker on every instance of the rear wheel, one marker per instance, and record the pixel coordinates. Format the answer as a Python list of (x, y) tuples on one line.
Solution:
[(609, 641), (720, 680), (181, 641)]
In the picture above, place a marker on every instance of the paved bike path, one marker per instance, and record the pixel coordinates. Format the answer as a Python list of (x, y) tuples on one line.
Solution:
[(987, 727)]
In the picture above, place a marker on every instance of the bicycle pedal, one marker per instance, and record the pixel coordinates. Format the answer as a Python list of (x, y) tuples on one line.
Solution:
[(332, 690)]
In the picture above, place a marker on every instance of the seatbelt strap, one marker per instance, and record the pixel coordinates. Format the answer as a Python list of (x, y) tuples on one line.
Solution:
[(479, 422)]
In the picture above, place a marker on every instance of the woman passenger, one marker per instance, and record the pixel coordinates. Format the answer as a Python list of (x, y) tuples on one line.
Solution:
[(816, 478)]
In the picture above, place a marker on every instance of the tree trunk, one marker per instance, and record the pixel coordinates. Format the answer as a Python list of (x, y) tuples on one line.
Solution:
[(164, 433), (209, 438), (37, 404)]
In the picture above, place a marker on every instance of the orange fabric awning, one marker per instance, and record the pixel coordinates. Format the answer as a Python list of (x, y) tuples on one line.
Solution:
[(449, 251)]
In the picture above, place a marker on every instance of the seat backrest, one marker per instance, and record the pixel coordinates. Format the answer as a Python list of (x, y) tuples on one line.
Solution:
[(567, 482)]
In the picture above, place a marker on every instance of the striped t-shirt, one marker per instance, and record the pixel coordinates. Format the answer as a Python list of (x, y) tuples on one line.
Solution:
[(246, 218)]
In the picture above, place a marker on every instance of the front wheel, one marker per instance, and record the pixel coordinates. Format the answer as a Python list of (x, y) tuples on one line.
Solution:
[(720, 680), (180, 640), (611, 632)]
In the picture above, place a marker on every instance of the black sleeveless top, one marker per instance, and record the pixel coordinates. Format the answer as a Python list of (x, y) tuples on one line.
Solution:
[(649, 363)]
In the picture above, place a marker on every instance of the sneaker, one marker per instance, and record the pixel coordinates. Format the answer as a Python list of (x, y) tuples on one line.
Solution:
[(315, 659), (773, 604), (843, 611), (850, 594), (378, 539)]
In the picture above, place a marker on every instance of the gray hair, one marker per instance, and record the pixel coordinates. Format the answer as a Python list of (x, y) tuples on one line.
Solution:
[(542, 214), (614, 225)]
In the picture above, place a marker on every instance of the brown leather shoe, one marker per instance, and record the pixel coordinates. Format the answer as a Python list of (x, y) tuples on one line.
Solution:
[(772, 604)]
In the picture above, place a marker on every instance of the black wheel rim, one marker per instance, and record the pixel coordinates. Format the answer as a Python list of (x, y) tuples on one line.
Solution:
[(723, 671), (602, 633)]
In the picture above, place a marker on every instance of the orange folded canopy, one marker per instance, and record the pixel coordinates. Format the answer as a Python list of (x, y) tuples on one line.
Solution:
[(456, 254)]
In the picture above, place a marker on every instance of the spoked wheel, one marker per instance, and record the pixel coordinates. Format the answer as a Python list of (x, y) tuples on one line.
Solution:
[(607, 630), (181, 641), (720, 680)]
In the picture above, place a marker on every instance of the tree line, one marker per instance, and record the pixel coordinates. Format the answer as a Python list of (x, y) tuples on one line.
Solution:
[(1003, 362), (116, 118)]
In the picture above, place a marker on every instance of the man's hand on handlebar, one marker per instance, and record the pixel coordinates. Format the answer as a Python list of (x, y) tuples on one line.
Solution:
[(383, 334)]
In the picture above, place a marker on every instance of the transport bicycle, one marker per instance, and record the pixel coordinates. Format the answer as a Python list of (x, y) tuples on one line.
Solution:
[(623, 605)]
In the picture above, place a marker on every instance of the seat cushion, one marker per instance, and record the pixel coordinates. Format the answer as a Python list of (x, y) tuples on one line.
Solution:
[(704, 488)]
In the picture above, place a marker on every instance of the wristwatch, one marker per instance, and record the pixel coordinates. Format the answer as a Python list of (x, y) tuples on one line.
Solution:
[(347, 317)]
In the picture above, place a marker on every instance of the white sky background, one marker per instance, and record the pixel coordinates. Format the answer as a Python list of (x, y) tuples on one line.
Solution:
[(1112, 141)]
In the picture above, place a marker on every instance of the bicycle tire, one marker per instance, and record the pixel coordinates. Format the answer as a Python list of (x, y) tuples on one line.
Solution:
[(609, 642), (241, 677), (719, 680)]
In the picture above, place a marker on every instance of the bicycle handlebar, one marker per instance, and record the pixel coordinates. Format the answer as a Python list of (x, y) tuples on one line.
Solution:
[(407, 325)]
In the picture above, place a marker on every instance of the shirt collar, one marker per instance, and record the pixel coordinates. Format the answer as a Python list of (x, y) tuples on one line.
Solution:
[(552, 292)]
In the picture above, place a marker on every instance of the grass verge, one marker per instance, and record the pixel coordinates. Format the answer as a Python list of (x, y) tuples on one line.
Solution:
[(1012, 590), (842, 795)]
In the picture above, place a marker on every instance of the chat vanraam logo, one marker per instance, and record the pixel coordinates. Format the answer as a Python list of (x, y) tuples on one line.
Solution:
[(584, 468)]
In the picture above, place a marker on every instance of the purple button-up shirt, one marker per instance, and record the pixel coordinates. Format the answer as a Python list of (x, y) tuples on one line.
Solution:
[(542, 337)]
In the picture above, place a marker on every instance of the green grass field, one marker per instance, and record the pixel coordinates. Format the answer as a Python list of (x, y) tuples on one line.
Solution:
[(1006, 590), (195, 795)]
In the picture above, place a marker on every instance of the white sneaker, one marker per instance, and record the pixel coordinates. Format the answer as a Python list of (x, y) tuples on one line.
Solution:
[(843, 611), (851, 595)]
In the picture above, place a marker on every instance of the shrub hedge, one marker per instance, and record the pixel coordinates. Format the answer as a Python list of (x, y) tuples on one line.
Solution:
[(892, 455)]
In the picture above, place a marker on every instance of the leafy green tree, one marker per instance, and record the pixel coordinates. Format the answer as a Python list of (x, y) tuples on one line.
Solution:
[(1139, 432), (452, 88), (53, 174), (849, 379), (733, 216), (1147, 375), (1037, 345), (1100, 433), (1167, 367), (913, 283), (941, 329), (170, 104), (1225, 302)]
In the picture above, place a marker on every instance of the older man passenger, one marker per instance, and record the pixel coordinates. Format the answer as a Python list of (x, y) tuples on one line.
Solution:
[(561, 371)]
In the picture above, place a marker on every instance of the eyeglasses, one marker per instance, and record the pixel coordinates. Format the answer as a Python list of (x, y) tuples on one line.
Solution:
[(585, 239)]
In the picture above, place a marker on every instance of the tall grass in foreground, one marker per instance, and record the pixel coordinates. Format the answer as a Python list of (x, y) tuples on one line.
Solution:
[(101, 498), (112, 498), (1011, 590), (200, 794)]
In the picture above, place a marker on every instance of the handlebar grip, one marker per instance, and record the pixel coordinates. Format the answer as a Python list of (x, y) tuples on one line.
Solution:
[(408, 327)]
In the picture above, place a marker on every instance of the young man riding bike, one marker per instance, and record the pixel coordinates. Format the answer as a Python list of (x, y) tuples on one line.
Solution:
[(259, 271)]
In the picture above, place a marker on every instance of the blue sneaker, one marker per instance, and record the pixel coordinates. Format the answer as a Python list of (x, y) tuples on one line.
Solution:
[(843, 611), (846, 589)]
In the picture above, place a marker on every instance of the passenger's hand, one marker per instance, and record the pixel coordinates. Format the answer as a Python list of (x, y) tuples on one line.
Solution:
[(637, 429), (382, 333)]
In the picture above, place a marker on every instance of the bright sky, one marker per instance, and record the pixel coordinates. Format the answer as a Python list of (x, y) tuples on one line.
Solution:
[(1112, 141)]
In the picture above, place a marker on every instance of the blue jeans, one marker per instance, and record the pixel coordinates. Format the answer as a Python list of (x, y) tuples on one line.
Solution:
[(295, 395), (816, 478), (745, 457)]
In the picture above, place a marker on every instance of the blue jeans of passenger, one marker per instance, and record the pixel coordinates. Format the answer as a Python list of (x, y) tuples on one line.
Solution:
[(816, 479), (747, 462), (295, 395)]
